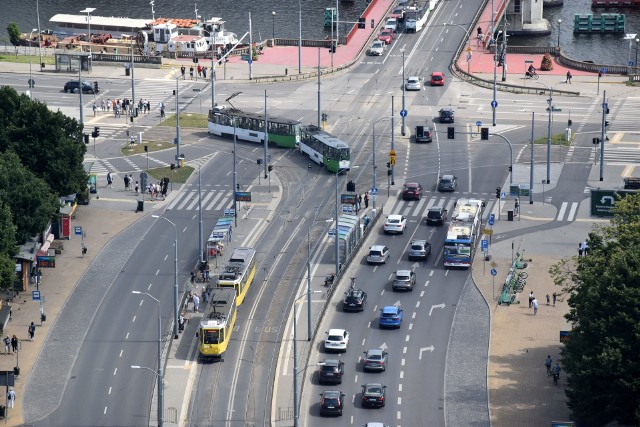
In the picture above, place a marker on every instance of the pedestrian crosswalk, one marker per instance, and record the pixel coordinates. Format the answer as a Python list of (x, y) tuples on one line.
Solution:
[(157, 90), (625, 114), (568, 208), (621, 154), (211, 200)]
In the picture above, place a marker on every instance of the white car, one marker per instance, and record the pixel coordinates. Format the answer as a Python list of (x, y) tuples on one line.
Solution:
[(378, 254), (413, 83), (337, 340), (395, 224), (392, 24), (377, 48)]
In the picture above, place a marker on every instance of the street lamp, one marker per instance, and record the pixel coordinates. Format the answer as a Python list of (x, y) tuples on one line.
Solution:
[(39, 33), (637, 41), (403, 91), (374, 188), (494, 102), (309, 275), (159, 374), (550, 110), (175, 276), (175, 75), (88, 12), (299, 37), (559, 22), (295, 360), (273, 27), (30, 74)]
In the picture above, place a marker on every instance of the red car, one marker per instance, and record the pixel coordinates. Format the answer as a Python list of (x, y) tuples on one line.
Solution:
[(437, 79), (412, 190), (386, 35)]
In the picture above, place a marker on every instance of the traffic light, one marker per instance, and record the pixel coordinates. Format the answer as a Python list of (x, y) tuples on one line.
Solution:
[(569, 122), (259, 161), (362, 23), (86, 138), (606, 124), (599, 75), (195, 60), (498, 192), (270, 168), (351, 186), (96, 132), (389, 171), (131, 118), (484, 133), (595, 141), (451, 132), (146, 148)]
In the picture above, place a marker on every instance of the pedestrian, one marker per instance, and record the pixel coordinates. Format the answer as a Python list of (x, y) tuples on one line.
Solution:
[(585, 248), (196, 303), (204, 73), (7, 345), (366, 221), (580, 250), (555, 371), (103, 105), (548, 299), (181, 322), (14, 343), (531, 298), (555, 296), (95, 109), (11, 398), (359, 201), (516, 206), (204, 296), (366, 200), (126, 182), (137, 188), (182, 71), (32, 331), (193, 278), (535, 306), (191, 72), (199, 70), (547, 363), (109, 179), (569, 76)]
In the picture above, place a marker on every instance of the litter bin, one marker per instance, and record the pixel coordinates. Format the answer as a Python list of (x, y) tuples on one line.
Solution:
[(16, 371), (3, 411), (127, 72), (140, 206), (510, 215)]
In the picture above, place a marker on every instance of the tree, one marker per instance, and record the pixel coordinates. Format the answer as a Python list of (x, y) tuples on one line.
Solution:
[(8, 248), (602, 356), (47, 143), (14, 33)]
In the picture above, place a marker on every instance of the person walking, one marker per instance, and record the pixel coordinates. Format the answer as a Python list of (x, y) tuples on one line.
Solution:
[(585, 248), (32, 331), (516, 206), (204, 73), (555, 371), (580, 249), (569, 76), (547, 363), (95, 110), (193, 278), (555, 296), (531, 298), (14, 343), (366, 200), (137, 188), (548, 299), (191, 72), (11, 398), (7, 345), (182, 71), (196, 303), (535, 306), (109, 180)]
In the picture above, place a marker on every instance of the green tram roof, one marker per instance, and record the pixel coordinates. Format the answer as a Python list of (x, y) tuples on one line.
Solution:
[(324, 137), (239, 113)]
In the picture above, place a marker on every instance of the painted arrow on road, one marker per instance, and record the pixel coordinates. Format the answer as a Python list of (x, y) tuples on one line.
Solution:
[(425, 349), (436, 306), (384, 347)]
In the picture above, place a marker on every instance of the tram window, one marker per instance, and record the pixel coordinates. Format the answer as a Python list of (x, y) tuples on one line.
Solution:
[(211, 336)]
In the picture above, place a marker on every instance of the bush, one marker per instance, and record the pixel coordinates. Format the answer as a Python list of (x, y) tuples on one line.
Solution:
[(547, 64)]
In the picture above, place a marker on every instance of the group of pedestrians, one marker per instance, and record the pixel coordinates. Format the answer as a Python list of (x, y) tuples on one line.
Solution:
[(552, 369), (533, 302), (583, 249), (10, 344)]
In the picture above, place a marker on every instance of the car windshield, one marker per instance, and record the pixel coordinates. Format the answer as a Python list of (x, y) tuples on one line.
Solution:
[(330, 401), (329, 368), (375, 357), (436, 78), (388, 314), (334, 338), (402, 278), (416, 247), (433, 214), (412, 188), (393, 221), (445, 181), (374, 390)]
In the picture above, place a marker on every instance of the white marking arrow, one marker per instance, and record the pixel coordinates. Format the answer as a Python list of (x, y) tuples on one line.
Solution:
[(383, 347), (414, 266), (397, 303), (431, 348), (435, 306)]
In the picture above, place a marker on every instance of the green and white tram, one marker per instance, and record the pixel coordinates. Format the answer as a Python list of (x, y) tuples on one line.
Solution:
[(325, 149), (250, 127)]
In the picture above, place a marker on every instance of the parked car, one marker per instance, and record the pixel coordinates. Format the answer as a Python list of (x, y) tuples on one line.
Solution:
[(423, 134), (437, 78), (404, 280), (375, 359), (331, 402), (377, 48), (391, 317), (72, 86), (391, 24), (447, 183), (331, 372), (395, 224), (337, 340), (386, 36), (411, 191), (373, 395), (378, 254), (446, 115), (413, 83), (419, 249), (355, 300), (436, 215)]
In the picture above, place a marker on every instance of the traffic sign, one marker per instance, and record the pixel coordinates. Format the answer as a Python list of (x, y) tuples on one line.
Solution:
[(494, 272), (403, 113), (604, 70), (491, 221), (478, 123), (631, 63), (484, 243), (503, 195), (494, 104), (78, 230), (245, 57), (468, 56), (332, 232), (392, 152), (492, 217), (35, 295), (374, 191), (347, 209)]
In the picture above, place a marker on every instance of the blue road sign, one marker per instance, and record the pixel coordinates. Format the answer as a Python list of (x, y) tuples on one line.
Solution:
[(494, 272), (484, 243), (347, 209), (603, 70), (403, 113), (332, 232), (494, 104), (503, 195), (35, 295), (491, 221), (492, 217), (374, 191), (631, 63), (478, 123)]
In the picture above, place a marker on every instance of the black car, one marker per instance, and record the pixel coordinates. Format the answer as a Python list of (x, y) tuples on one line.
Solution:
[(373, 395), (447, 183), (423, 134), (331, 402), (446, 115), (436, 216), (74, 85), (355, 300), (331, 372)]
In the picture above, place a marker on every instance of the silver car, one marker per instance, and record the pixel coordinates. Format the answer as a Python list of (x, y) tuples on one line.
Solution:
[(405, 280), (413, 83), (377, 48)]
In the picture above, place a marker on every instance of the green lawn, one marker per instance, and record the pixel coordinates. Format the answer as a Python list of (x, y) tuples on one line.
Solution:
[(557, 139), (187, 120), (24, 59), (179, 176)]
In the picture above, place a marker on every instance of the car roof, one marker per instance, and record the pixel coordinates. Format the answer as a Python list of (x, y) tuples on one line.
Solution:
[(331, 362), (416, 242), (412, 184), (395, 216), (446, 109), (390, 309), (436, 208), (373, 385), (374, 351), (437, 73), (336, 331), (448, 177), (331, 393), (377, 247), (403, 272)]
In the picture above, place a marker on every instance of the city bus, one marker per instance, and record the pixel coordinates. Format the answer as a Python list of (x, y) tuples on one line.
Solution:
[(415, 17), (325, 149), (463, 233), (283, 133), (238, 273), (216, 326)]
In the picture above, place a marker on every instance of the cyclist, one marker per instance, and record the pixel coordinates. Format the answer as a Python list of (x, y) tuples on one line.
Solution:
[(531, 71)]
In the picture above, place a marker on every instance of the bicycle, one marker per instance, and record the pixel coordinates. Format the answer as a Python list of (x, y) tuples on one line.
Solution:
[(531, 75)]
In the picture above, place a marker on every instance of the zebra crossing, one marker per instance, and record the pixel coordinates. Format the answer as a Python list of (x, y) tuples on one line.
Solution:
[(625, 114), (211, 200), (569, 208), (157, 90)]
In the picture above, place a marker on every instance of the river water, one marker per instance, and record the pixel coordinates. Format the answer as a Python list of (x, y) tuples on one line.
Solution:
[(285, 24)]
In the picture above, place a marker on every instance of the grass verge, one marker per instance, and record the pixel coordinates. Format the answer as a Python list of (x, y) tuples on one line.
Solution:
[(187, 120), (24, 59), (179, 176), (557, 139)]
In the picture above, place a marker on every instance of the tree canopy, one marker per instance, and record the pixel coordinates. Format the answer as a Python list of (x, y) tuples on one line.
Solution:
[(14, 33), (602, 356)]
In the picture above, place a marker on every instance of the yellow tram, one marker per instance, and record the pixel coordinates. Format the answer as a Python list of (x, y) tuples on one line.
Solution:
[(239, 272), (216, 327)]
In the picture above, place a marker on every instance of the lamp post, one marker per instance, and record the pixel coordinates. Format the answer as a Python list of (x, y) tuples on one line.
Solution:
[(88, 11), (373, 126), (299, 37), (550, 110), (637, 41), (295, 360), (175, 75), (175, 276), (309, 275), (559, 22), (39, 33), (30, 74), (494, 103), (403, 91), (273, 27), (159, 374)]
